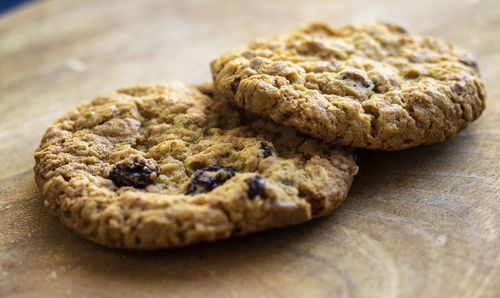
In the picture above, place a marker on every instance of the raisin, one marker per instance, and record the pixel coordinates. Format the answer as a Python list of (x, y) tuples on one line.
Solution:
[(209, 178), (286, 182), (266, 150), (255, 186), (135, 173), (356, 77), (234, 85)]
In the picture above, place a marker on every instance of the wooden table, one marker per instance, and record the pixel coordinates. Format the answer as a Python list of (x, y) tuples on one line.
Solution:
[(423, 222)]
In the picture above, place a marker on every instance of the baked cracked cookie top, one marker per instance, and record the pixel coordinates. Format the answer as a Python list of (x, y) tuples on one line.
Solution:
[(157, 166), (373, 85)]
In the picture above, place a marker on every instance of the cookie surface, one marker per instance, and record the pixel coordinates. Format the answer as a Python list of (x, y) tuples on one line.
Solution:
[(372, 85), (157, 166)]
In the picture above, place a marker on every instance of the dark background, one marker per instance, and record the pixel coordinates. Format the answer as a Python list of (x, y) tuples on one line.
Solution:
[(6, 5)]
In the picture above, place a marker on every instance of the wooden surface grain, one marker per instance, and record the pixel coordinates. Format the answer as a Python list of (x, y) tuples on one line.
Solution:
[(423, 222)]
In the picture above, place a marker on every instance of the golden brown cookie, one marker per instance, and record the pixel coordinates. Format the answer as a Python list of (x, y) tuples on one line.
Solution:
[(157, 166), (373, 86)]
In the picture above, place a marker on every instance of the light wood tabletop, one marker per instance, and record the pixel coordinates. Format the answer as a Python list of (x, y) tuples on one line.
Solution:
[(423, 222)]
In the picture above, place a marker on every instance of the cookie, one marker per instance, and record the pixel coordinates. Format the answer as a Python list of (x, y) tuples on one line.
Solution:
[(165, 165), (373, 85)]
